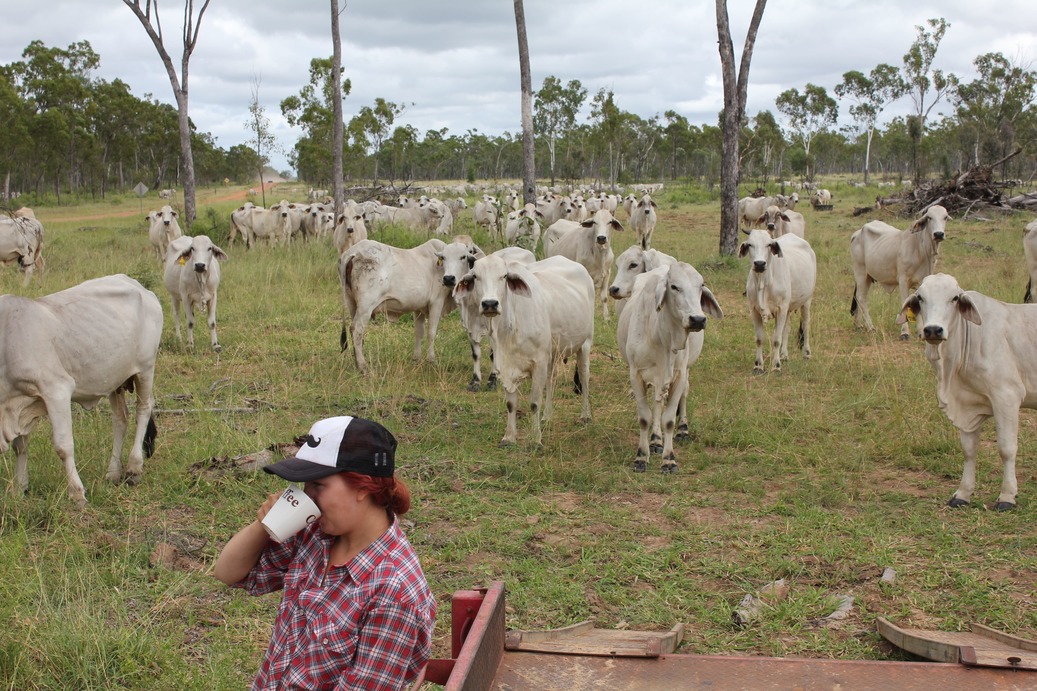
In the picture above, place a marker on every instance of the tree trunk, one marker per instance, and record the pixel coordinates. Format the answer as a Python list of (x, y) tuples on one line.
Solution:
[(336, 96), (735, 87), (528, 166)]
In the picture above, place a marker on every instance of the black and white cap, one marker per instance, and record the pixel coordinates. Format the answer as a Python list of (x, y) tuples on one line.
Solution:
[(337, 445)]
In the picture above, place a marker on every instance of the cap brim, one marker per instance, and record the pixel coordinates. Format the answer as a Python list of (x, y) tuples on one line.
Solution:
[(299, 470)]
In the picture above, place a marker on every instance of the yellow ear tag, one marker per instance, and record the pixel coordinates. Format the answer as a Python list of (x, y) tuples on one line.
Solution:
[(182, 260), (910, 315)]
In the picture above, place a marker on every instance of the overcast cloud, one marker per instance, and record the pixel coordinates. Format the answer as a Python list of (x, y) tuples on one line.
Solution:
[(456, 60)]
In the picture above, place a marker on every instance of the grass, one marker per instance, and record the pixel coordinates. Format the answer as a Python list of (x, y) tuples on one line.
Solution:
[(822, 475)]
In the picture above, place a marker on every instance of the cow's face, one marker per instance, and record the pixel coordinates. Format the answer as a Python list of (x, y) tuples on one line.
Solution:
[(629, 265), (934, 222), (456, 261), (200, 255), (490, 282), (602, 224), (936, 307), (681, 291), (759, 247)]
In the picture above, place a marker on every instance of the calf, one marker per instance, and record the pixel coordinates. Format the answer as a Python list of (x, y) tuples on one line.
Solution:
[(97, 339), (779, 222), (782, 275), (378, 278), (192, 277), (544, 313), (894, 258), (982, 352), (659, 335), (21, 240), (643, 218), (349, 230)]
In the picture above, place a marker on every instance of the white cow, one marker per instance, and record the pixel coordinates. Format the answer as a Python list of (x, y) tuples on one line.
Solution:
[(21, 240), (457, 205), (779, 222), (475, 324), (751, 208), (894, 258), (291, 218), (1030, 252), (378, 278), (349, 230), (821, 197), (256, 223), (240, 224), (555, 207), (411, 217), (163, 228), (588, 243), (659, 335), (544, 314), (192, 277), (167, 194), (523, 228), (311, 220), (643, 219), (630, 264), (782, 276), (97, 339), (487, 213), (982, 352)]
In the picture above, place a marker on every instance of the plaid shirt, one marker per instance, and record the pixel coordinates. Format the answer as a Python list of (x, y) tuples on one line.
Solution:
[(369, 624)]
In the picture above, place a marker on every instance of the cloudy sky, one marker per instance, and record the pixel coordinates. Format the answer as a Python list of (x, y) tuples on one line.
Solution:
[(454, 62)]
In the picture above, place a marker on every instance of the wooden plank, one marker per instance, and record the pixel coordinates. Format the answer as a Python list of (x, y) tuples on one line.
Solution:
[(583, 639), (982, 646)]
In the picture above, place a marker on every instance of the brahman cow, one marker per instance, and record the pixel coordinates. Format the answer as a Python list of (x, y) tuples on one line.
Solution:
[(544, 313), (982, 352), (782, 276), (378, 278), (21, 240), (487, 213), (192, 277), (891, 257), (349, 230), (779, 222), (475, 324), (643, 218), (163, 228), (523, 228), (99, 338), (1030, 252), (659, 335), (240, 224), (588, 243), (751, 208), (630, 264), (820, 197)]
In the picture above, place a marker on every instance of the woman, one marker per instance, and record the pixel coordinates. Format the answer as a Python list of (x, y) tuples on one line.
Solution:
[(357, 612)]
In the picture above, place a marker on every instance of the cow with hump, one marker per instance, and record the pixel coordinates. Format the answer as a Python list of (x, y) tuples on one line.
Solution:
[(982, 351), (659, 336), (544, 312), (97, 339)]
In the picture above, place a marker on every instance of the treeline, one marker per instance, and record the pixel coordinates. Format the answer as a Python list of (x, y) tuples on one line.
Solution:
[(63, 131)]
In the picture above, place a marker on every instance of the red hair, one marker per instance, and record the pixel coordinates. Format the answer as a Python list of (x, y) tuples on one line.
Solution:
[(388, 492)]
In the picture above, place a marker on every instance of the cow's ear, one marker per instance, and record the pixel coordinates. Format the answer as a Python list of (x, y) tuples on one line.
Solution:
[(744, 249), (589, 223), (654, 205), (660, 291), (762, 220), (219, 253), (174, 214), (439, 259), (464, 285), (968, 310), (616, 225), (910, 308), (776, 249), (919, 224), (518, 286), (710, 305), (785, 217), (186, 254)]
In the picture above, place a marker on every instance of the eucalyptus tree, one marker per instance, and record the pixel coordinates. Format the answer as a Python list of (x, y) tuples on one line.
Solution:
[(608, 120), (735, 89), (259, 124), (15, 116), (554, 117), (313, 111), (920, 78), (526, 85), (808, 113), (870, 94), (372, 125), (149, 19), (993, 105)]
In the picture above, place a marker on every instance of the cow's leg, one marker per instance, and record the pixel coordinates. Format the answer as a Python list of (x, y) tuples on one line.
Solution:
[(60, 413), (682, 433), (603, 292), (21, 463), (905, 293), (583, 362), (804, 327), (644, 420), (120, 422), (361, 317), (969, 447), (778, 335), (476, 383), (144, 408), (542, 374), (419, 333), (669, 419), (761, 338), (511, 403), (435, 313), (175, 299), (189, 316), (1007, 421), (861, 317), (211, 322)]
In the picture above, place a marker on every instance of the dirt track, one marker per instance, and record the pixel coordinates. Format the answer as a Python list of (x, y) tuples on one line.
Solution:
[(202, 198)]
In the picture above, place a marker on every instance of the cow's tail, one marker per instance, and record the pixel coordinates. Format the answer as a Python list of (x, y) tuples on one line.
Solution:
[(148, 445), (1029, 291), (853, 303)]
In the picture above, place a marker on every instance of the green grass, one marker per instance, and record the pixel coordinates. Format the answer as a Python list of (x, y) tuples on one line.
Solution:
[(822, 475)]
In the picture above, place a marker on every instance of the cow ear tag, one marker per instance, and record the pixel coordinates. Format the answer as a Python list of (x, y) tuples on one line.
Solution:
[(910, 315), (182, 260)]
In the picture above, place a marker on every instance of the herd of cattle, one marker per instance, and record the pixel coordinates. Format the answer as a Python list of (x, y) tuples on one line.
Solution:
[(534, 300)]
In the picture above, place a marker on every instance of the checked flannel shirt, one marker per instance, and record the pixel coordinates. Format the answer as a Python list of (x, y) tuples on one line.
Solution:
[(365, 625)]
